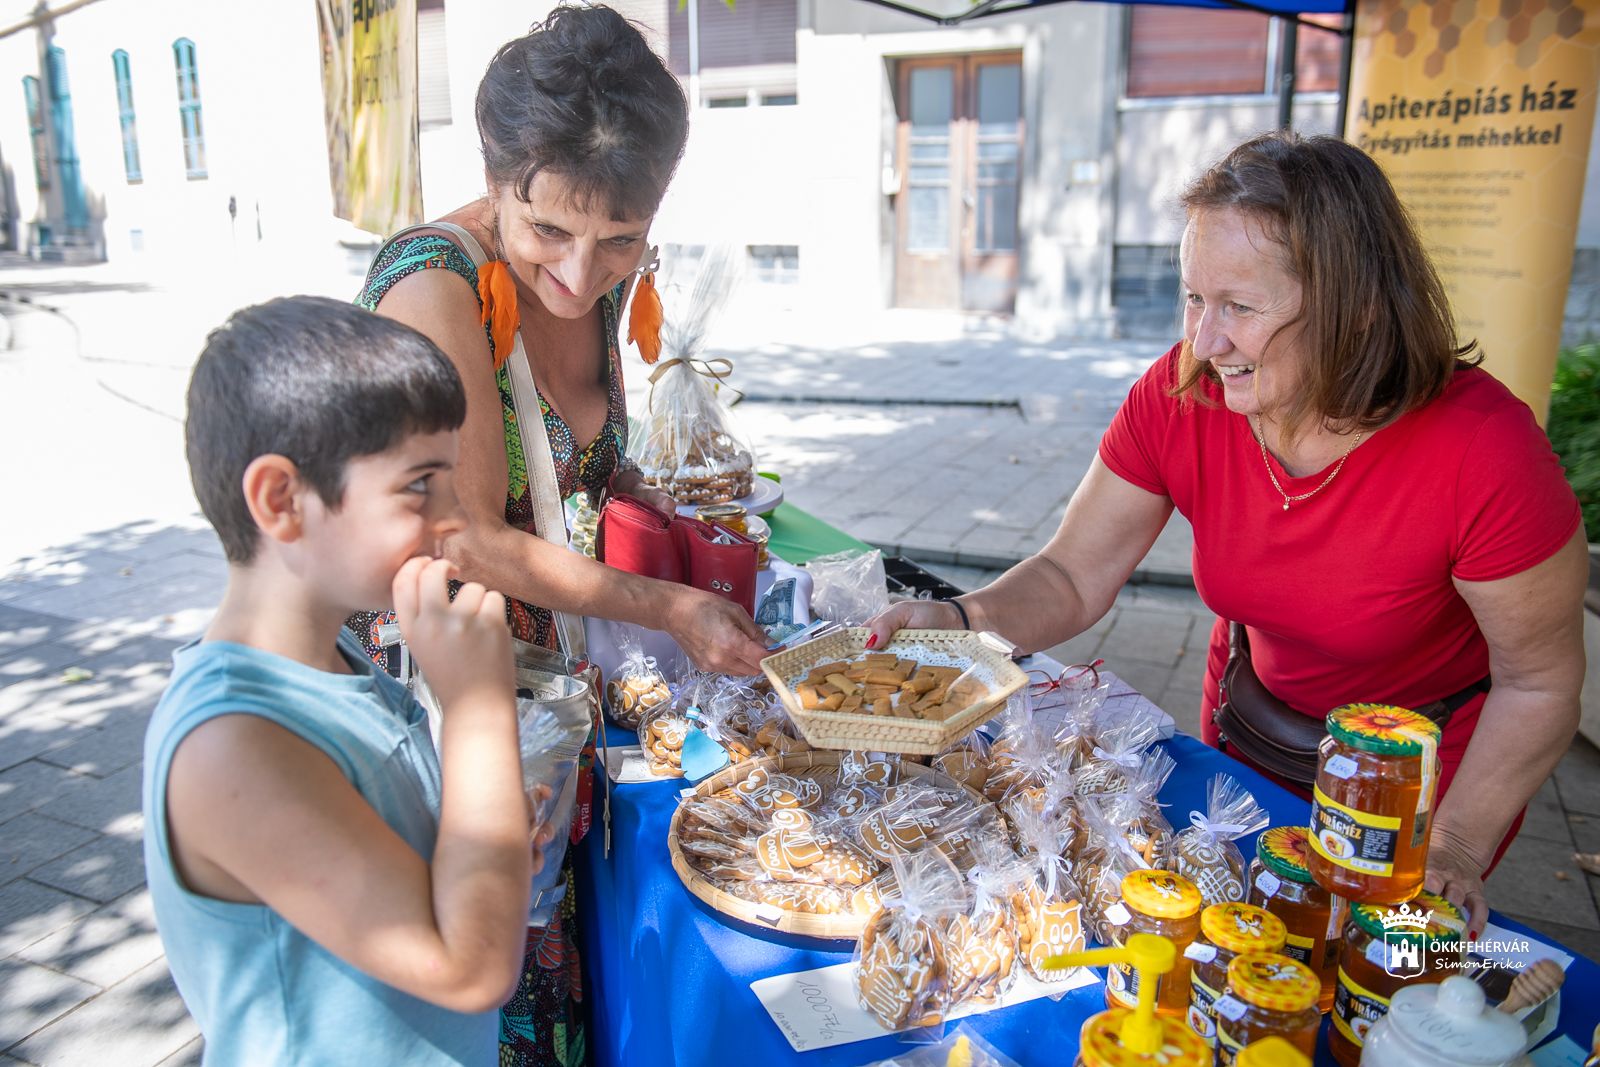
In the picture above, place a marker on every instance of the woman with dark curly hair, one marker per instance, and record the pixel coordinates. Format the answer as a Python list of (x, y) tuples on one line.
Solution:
[(582, 127)]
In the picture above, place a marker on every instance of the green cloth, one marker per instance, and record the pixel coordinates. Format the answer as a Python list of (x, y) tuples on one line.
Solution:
[(798, 536)]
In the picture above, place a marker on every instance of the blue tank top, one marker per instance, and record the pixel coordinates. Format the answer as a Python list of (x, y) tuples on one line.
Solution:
[(263, 992)]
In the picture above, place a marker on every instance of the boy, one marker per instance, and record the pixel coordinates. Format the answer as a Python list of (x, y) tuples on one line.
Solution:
[(328, 889)]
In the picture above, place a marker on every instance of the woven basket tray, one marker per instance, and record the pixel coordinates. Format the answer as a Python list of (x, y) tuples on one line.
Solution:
[(842, 927), (878, 733)]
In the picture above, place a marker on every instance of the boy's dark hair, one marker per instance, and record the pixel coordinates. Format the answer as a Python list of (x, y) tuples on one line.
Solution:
[(583, 97), (318, 381)]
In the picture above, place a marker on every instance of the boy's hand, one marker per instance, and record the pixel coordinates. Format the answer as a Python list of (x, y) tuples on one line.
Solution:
[(463, 646)]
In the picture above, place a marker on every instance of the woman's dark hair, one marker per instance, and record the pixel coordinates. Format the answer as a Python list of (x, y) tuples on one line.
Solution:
[(583, 96), (1377, 332), (318, 381)]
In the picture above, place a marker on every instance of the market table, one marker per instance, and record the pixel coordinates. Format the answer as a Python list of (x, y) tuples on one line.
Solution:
[(669, 978)]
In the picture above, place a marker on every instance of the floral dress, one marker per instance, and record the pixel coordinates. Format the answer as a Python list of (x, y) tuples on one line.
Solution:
[(542, 1023)]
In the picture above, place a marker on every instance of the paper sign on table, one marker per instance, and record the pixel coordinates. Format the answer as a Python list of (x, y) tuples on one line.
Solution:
[(818, 1009), (626, 764), (1562, 1052)]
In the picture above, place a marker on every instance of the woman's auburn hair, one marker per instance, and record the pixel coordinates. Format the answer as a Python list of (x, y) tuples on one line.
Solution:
[(1377, 334)]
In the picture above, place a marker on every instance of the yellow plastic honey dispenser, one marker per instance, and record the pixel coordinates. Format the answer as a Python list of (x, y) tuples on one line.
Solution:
[(1119, 1037)]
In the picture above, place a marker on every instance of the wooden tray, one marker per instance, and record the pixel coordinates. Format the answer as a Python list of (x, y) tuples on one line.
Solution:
[(878, 733), (845, 926)]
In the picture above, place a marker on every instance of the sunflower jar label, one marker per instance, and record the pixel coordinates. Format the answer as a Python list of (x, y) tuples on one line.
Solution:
[(1376, 774)]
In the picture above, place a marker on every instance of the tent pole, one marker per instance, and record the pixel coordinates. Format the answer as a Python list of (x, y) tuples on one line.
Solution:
[(1346, 47), (1289, 40)]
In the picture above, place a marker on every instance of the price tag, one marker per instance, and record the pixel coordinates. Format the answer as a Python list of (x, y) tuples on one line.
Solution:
[(1200, 953), (1341, 767), (770, 914), (1230, 1008), (1377, 954), (687, 791), (1118, 914), (1269, 884)]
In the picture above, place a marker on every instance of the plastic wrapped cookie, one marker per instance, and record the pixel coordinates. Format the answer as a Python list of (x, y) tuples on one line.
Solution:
[(1205, 853), (1120, 743), (966, 762), (901, 974), (982, 941), (638, 685), (1047, 906)]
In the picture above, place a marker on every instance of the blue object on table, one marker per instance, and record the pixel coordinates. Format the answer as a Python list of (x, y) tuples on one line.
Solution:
[(669, 978)]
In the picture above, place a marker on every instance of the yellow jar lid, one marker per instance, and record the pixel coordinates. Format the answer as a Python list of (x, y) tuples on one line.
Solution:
[(1243, 928), (1271, 1052), (1273, 982), (1100, 1044), (1160, 894)]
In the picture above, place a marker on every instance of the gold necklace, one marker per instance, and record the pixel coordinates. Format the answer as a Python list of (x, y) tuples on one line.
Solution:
[(1261, 439)]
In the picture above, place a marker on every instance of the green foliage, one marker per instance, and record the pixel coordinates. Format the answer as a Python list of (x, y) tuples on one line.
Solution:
[(1575, 427)]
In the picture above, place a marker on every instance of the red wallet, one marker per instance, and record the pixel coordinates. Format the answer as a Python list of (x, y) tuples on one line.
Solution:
[(639, 538)]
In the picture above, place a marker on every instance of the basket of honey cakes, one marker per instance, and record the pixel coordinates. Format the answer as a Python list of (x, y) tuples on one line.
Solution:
[(920, 694), (804, 842)]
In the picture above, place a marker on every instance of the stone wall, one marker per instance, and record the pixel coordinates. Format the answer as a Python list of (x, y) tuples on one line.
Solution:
[(1582, 320)]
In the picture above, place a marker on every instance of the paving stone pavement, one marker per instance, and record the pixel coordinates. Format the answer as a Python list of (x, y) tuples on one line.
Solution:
[(96, 592)]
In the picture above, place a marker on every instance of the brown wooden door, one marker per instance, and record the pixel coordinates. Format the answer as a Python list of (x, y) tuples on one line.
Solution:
[(959, 155)]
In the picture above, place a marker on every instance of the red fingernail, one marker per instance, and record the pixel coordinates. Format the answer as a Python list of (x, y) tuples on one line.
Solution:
[(872, 642)]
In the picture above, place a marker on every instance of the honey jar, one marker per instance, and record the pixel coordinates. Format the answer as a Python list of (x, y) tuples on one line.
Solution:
[(1269, 995), (1226, 931), (733, 516), (1120, 1037), (1386, 949), (1313, 918), (1160, 903), (1376, 774)]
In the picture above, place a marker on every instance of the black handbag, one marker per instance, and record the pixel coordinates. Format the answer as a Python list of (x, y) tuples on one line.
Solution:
[(1261, 729)]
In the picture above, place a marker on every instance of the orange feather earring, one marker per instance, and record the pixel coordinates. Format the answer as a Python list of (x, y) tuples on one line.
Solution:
[(497, 291), (645, 318)]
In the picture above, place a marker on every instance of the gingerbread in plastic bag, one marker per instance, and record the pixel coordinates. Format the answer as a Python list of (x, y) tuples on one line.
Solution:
[(1205, 853), (901, 974)]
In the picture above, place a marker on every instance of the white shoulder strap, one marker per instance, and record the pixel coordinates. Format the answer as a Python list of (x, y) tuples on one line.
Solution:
[(549, 513)]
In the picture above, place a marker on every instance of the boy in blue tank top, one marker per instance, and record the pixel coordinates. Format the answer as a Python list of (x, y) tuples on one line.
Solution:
[(328, 889)]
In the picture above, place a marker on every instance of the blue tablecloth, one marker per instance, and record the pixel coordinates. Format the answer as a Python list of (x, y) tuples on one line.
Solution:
[(669, 978)]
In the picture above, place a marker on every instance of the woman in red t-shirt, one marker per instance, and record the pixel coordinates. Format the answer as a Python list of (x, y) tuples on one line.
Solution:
[(1386, 521)]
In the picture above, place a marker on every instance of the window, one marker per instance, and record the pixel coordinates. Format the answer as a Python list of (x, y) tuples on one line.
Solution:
[(41, 145), (728, 101), (64, 139), (130, 132), (1177, 51), (779, 100), (194, 138), (433, 66)]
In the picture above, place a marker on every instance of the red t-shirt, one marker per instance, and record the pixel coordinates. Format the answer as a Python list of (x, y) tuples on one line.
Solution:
[(1347, 596)]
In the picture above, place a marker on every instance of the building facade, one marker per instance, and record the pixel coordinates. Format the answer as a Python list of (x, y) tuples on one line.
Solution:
[(1025, 164)]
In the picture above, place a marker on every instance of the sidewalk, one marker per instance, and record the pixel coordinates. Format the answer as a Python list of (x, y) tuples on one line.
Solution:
[(105, 569)]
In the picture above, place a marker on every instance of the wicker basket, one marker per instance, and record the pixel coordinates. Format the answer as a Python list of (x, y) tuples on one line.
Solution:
[(878, 733), (842, 927)]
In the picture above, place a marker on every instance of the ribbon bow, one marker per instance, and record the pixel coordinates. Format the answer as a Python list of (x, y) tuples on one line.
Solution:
[(716, 369), (1130, 760), (1228, 830)]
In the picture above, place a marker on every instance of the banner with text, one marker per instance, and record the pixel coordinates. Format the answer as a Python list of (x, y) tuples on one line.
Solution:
[(1481, 112), (369, 86)]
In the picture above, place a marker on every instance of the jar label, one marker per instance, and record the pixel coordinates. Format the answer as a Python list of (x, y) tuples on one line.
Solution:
[(1269, 884), (1230, 1008), (1300, 948), (1122, 980), (1202, 1009), (1341, 767), (1118, 914), (1200, 953), (1356, 1009), (1356, 840)]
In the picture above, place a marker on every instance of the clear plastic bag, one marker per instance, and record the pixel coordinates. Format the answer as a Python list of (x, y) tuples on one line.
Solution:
[(1119, 747), (961, 1046), (901, 966), (638, 684), (1048, 906), (983, 948), (1205, 853), (692, 446), (849, 587), (553, 725)]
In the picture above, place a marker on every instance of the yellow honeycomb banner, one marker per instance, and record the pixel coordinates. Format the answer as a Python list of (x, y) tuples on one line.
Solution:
[(1480, 112)]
